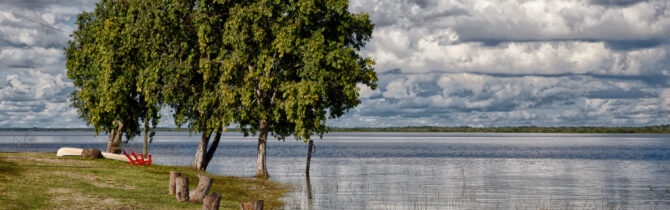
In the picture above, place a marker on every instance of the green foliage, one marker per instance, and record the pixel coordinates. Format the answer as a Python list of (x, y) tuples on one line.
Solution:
[(286, 66), (166, 32), (104, 60), (293, 64), (179, 44)]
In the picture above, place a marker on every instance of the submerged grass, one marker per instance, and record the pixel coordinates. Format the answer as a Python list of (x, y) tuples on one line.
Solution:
[(44, 181)]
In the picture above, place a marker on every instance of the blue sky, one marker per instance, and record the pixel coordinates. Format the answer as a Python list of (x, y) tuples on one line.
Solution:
[(440, 63)]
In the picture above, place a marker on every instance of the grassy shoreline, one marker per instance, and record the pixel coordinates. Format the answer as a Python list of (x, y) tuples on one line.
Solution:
[(658, 129), (44, 181)]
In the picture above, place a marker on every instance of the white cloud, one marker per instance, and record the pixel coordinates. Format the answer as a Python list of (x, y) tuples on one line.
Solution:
[(457, 62), (665, 103), (524, 20), (466, 99), (366, 92), (575, 57), (30, 57), (35, 85)]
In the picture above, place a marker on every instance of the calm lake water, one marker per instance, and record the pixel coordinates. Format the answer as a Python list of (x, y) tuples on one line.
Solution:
[(428, 170)]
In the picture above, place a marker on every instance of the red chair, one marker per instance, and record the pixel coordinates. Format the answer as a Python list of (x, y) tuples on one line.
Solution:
[(137, 159)]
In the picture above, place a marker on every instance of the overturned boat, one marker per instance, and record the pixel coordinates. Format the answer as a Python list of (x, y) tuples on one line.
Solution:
[(71, 151)]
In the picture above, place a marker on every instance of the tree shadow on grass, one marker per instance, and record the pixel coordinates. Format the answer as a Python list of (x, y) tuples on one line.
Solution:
[(8, 168), (59, 166)]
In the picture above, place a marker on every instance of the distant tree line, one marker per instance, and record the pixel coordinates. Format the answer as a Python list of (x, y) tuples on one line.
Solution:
[(521, 129)]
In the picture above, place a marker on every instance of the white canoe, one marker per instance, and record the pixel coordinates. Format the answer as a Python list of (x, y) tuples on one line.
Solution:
[(70, 151), (114, 156)]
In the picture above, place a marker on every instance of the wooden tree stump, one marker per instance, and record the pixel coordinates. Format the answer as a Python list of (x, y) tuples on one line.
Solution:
[(204, 183), (173, 179), (211, 201), (182, 189), (254, 205), (91, 153)]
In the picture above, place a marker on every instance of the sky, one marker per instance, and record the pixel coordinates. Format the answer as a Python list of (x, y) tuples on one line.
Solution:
[(480, 63)]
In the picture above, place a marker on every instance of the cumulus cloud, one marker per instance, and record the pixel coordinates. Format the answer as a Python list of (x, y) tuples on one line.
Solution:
[(393, 48), (617, 2), (30, 57), (33, 87), (511, 20), (22, 28), (36, 99), (440, 63), (473, 99), (511, 63)]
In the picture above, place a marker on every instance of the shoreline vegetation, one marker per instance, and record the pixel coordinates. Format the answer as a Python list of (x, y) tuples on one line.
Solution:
[(658, 129), (31, 180)]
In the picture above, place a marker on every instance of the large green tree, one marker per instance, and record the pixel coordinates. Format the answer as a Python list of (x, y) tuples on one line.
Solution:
[(183, 38), (294, 63), (104, 60)]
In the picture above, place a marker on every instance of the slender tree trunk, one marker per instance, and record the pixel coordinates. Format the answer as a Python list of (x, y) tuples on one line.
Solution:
[(212, 149), (201, 152), (145, 151), (261, 169)]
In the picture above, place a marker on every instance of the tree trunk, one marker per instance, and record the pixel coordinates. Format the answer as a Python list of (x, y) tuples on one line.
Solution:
[(145, 151), (212, 149), (173, 181), (110, 141), (261, 169), (118, 136), (201, 152), (182, 189), (211, 201), (204, 183), (114, 140)]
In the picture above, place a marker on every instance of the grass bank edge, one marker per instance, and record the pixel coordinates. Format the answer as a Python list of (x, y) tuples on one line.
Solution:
[(44, 181)]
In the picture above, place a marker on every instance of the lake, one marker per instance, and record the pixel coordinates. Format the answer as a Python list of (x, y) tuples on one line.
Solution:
[(428, 170)]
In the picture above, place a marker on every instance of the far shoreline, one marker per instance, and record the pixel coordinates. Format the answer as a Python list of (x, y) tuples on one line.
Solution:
[(657, 129)]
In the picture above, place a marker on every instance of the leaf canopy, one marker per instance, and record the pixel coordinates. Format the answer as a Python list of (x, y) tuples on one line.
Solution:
[(296, 63), (104, 60)]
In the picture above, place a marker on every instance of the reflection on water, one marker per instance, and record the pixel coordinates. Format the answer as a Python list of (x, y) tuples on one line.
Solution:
[(429, 170), (310, 195)]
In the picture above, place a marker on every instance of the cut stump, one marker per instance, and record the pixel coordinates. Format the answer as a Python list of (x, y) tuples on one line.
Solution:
[(211, 201), (204, 183), (254, 205), (173, 179), (182, 189)]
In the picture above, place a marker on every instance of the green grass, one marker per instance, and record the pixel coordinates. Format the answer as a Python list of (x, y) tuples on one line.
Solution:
[(44, 181)]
